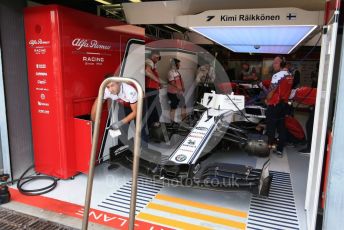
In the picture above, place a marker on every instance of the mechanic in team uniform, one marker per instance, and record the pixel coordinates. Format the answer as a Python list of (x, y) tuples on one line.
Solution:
[(153, 85), (277, 104), (126, 96), (175, 90)]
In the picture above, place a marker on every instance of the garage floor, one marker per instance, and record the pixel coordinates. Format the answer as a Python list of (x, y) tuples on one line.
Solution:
[(12, 220), (187, 208)]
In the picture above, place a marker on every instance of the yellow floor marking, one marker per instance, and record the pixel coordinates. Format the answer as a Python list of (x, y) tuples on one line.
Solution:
[(196, 215), (201, 205), (170, 222)]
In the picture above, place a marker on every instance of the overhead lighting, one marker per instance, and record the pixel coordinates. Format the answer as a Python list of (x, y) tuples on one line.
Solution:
[(103, 2), (135, 1), (275, 30), (257, 39)]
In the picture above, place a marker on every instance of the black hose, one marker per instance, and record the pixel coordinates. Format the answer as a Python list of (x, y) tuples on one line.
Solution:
[(34, 192)]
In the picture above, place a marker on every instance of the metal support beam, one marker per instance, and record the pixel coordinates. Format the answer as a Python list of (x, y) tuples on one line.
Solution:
[(5, 149), (334, 206), (137, 149)]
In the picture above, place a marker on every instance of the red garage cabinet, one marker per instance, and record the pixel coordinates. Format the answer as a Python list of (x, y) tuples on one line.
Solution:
[(68, 54)]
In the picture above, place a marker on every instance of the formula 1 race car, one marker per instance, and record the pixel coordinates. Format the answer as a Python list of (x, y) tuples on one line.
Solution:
[(223, 117), (219, 118), (189, 163), (247, 125)]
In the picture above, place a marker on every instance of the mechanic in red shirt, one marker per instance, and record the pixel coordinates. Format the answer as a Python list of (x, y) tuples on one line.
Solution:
[(277, 102), (153, 84)]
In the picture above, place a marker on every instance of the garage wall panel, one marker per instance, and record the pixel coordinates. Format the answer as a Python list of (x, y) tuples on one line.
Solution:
[(16, 84)]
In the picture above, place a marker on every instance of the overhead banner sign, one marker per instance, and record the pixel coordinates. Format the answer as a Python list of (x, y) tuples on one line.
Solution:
[(249, 17)]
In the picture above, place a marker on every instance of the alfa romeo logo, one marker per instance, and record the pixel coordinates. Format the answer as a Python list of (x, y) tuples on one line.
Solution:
[(180, 158)]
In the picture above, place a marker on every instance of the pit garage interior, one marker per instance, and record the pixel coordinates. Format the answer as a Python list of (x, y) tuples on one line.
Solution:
[(305, 191)]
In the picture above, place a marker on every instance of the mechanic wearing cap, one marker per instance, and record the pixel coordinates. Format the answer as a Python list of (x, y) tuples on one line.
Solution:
[(175, 90), (153, 84), (277, 100), (126, 96)]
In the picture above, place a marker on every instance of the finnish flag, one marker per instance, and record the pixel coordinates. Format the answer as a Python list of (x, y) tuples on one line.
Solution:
[(291, 16)]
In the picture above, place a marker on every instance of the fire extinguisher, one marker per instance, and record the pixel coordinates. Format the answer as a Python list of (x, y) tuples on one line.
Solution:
[(5, 195)]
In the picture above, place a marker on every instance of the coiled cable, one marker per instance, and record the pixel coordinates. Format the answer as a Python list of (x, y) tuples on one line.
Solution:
[(34, 192)]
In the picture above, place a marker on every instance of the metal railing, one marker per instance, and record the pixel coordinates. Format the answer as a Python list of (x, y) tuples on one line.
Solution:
[(137, 145)]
